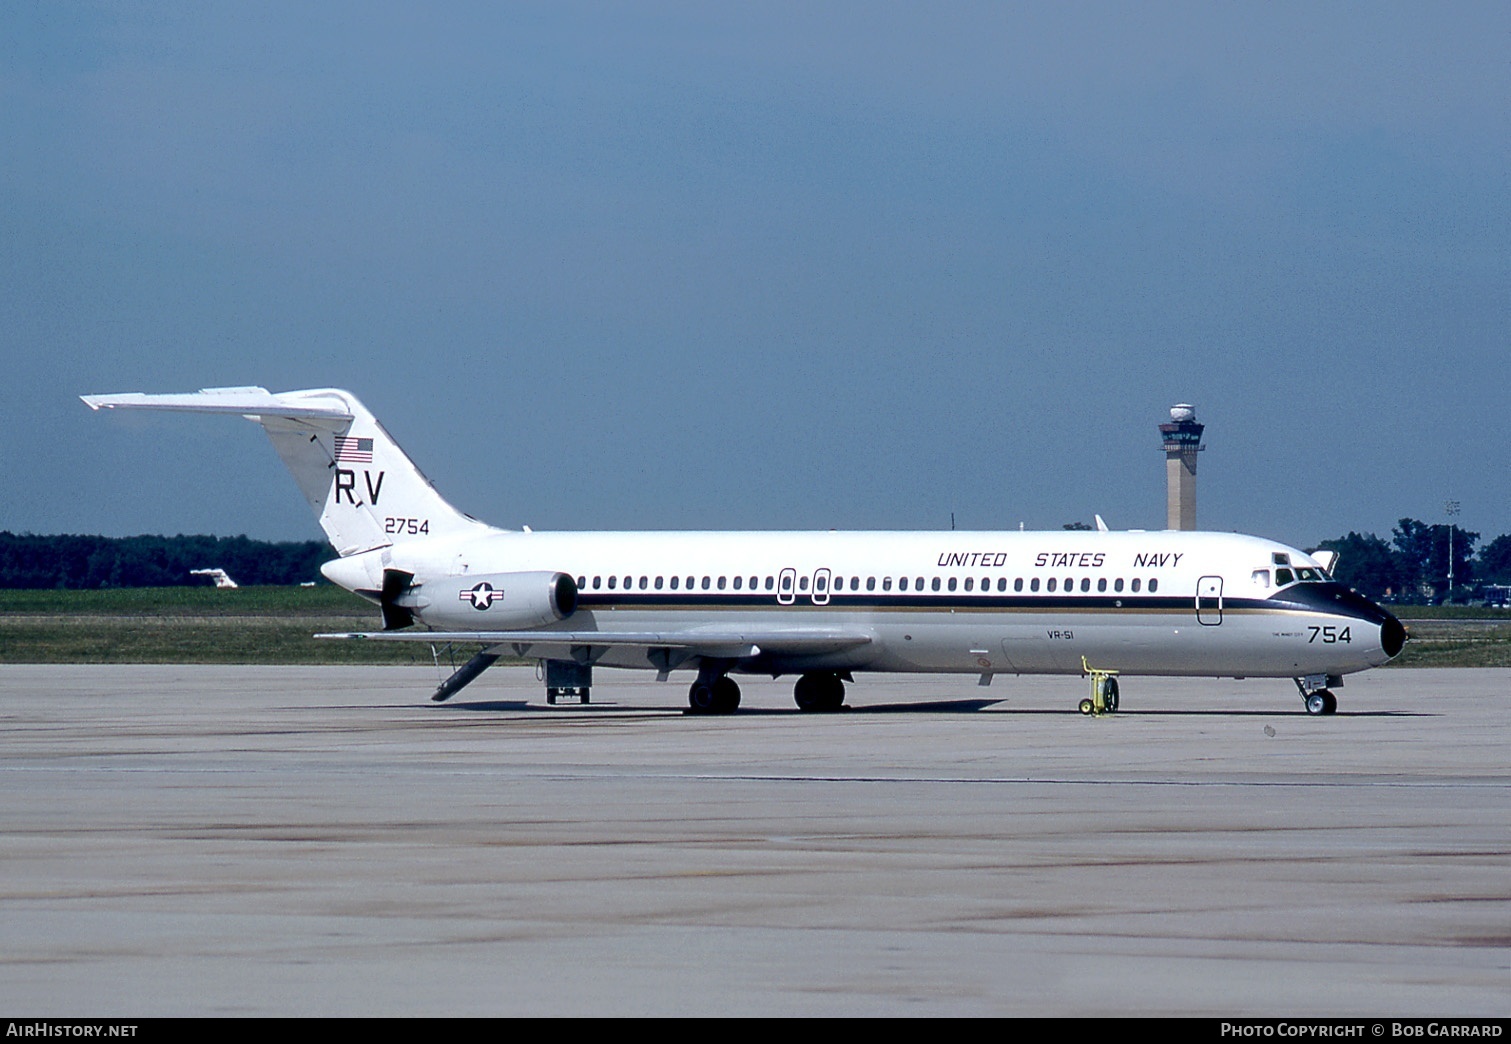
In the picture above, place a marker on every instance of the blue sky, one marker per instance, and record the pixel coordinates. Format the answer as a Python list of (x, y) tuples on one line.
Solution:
[(781, 265)]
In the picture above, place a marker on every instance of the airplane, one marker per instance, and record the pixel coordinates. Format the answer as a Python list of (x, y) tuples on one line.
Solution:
[(823, 606)]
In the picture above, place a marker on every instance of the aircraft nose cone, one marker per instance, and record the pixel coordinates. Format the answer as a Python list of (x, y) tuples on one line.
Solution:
[(1392, 635)]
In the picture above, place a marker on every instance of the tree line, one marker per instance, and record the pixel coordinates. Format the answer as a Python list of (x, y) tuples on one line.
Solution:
[(1413, 566), (29, 561)]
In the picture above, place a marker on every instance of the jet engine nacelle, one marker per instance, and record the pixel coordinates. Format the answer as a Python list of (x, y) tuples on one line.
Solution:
[(496, 601)]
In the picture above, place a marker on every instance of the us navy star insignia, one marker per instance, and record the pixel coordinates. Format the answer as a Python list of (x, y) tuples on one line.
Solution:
[(482, 596)]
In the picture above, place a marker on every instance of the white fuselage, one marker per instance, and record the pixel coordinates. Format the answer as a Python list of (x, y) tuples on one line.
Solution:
[(1172, 603)]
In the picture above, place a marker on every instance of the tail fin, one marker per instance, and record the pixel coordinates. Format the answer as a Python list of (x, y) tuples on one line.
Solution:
[(363, 489)]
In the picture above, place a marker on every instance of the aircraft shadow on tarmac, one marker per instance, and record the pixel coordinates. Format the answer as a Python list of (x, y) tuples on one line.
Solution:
[(971, 706)]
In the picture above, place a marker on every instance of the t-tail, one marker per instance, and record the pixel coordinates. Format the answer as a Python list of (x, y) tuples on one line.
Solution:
[(362, 487)]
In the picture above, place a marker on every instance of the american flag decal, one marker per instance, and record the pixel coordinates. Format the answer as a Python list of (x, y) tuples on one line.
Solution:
[(354, 451)]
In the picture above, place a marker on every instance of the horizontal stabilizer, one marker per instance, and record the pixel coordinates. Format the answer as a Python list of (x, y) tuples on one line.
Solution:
[(247, 402)]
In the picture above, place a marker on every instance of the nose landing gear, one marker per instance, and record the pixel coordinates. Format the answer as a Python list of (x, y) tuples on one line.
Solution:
[(1317, 697)]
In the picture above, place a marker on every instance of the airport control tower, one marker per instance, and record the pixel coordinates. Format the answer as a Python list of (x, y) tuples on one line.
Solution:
[(1182, 444)]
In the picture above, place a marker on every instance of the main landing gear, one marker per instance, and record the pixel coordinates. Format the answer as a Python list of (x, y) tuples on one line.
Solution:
[(819, 691), (718, 695), (1318, 699)]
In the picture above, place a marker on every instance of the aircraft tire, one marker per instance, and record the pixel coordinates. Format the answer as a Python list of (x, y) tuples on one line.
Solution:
[(819, 691), (726, 696), (1331, 702), (700, 698), (1316, 702)]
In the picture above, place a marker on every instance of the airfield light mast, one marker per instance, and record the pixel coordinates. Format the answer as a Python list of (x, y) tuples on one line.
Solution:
[(1182, 438), (1450, 508)]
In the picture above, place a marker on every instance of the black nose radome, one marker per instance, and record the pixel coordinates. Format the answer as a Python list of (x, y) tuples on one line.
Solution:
[(1392, 636)]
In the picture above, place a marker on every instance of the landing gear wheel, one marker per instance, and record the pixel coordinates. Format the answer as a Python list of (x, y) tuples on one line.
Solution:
[(726, 696), (720, 696), (700, 698), (1321, 702), (1087, 707), (819, 691)]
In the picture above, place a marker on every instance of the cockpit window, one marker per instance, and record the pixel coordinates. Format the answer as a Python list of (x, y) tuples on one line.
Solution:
[(1283, 577), (1262, 577), (1306, 573)]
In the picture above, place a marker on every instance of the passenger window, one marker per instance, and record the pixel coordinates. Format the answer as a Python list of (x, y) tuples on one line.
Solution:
[(1117, 585), (595, 582), (707, 581), (1033, 585), (839, 583), (721, 583), (1051, 585), (1002, 583), (820, 583), (645, 582), (1018, 584), (613, 582), (769, 582), (786, 583), (738, 580), (1101, 584), (1085, 584), (970, 582), (1134, 586), (658, 583), (802, 583), (886, 583), (582, 582), (935, 585), (902, 583), (952, 583), (870, 583), (1153, 584), (674, 582)]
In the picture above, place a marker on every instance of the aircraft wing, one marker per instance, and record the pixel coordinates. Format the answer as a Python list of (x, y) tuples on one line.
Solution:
[(723, 644)]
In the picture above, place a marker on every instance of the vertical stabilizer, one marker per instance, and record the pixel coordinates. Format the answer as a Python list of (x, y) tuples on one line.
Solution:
[(362, 487)]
